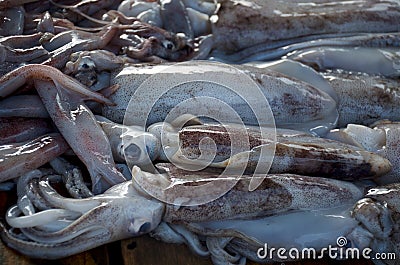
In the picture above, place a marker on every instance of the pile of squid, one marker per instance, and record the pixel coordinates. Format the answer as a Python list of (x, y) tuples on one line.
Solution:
[(329, 71)]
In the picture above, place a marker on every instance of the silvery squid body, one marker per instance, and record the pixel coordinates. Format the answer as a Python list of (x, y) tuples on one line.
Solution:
[(261, 25), (294, 103), (295, 152), (305, 102), (364, 99)]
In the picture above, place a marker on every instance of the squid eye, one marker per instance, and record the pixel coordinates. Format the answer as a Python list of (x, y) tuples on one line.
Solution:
[(133, 152), (139, 227), (86, 64), (120, 150), (145, 228), (168, 45)]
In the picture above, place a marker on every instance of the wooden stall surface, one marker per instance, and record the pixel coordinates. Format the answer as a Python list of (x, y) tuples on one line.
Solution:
[(142, 250)]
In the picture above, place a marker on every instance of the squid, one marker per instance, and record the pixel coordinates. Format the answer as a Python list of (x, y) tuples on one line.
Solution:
[(126, 210)]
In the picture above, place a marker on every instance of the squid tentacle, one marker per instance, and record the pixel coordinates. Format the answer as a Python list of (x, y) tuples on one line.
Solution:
[(40, 218), (23, 202), (72, 177), (216, 246), (36, 197), (77, 228), (86, 241), (165, 233), (58, 201), (191, 239), (55, 226)]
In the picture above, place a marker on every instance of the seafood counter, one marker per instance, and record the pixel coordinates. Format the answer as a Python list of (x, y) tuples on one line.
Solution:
[(235, 127)]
